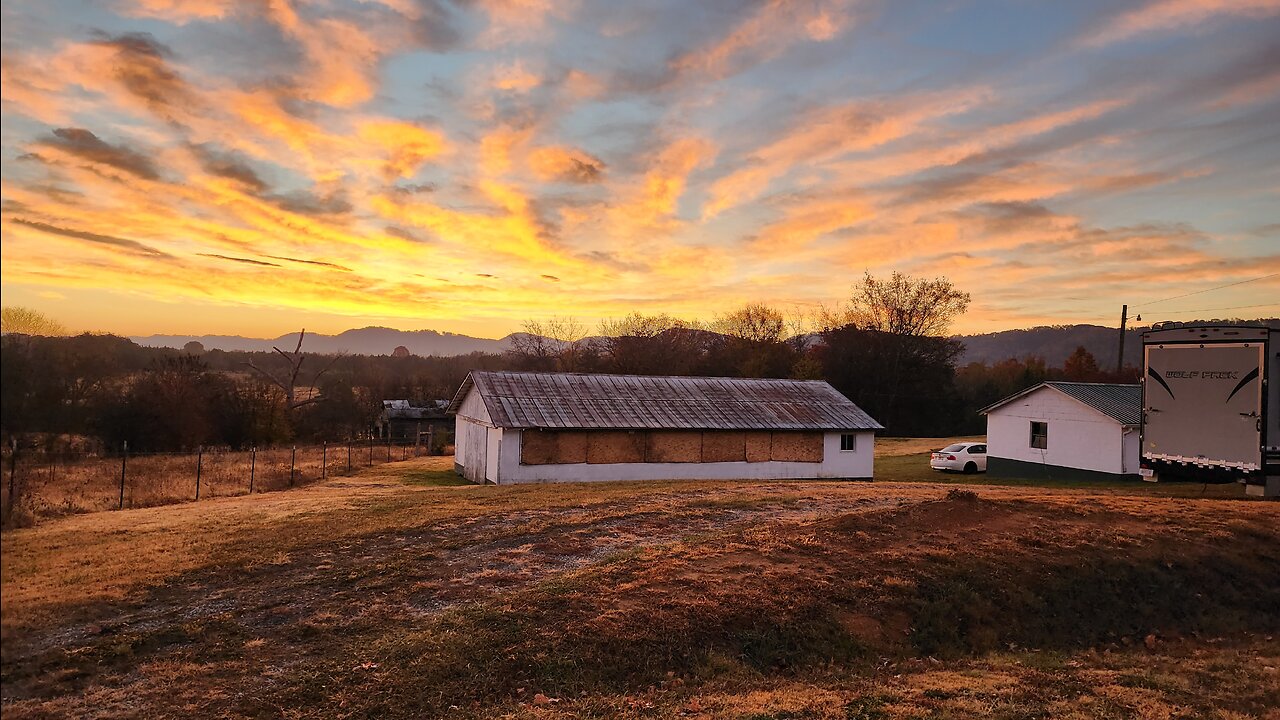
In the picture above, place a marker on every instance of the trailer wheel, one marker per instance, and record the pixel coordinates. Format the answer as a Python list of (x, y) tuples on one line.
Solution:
[(970, 468)]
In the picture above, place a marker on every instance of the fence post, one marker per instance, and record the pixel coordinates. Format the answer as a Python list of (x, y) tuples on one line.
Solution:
[(370, 449), (199, 465), (253, 462), (388, 447), (293, 463), (324, 459), (13, 472), (348, 456), (124, 464), (417, 440)]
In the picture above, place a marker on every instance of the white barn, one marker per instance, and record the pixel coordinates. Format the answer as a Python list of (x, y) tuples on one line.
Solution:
[(1065, 430), (520, 427)]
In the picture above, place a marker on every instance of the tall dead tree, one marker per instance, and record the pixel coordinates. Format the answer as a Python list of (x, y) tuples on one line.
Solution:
[(288, 383)]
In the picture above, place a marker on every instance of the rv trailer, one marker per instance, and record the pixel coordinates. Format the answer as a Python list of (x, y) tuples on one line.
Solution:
[(1210, 408)]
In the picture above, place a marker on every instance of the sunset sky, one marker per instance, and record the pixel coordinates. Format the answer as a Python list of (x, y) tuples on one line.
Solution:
[(211, 166)]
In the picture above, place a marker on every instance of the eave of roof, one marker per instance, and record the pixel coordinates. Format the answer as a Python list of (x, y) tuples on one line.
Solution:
[(1111, 399)]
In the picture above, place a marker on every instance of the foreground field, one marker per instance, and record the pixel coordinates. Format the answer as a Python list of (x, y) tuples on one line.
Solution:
[(394, 594)]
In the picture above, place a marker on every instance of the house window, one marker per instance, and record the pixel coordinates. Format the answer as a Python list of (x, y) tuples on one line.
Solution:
[(848, 442), (1039, 435)]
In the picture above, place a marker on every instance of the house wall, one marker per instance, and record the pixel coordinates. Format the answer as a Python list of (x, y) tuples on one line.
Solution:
[(472, 435), (835, 463), (1079, 436)]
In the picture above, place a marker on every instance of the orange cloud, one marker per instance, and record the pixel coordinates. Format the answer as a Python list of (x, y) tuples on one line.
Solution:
[(765, 34), (564, 164), (1163, 15)]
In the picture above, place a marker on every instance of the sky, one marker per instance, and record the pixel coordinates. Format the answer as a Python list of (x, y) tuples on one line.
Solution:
[(212, 166)]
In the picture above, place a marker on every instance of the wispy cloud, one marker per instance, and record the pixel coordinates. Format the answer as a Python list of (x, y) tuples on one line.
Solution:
[(467, 164)]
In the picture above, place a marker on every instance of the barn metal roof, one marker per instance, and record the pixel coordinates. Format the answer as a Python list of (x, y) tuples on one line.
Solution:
[(635, 402), (1122, 403)]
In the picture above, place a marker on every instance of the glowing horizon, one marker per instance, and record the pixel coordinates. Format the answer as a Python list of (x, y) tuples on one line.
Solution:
[(200, 167)]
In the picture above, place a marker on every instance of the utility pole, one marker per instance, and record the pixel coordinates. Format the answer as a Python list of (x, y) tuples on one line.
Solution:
[(1124, 318)]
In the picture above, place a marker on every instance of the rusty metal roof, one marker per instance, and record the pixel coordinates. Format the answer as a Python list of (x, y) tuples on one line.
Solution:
[(636, 402), (1120, 402)]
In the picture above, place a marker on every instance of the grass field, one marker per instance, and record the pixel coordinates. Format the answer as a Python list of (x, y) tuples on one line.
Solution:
[(400, 593)]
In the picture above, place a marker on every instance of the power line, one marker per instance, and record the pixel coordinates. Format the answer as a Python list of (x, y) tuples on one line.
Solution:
[(1198, 292), (1235, 307)]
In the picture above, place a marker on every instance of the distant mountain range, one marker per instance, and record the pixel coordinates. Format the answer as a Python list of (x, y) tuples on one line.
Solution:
[(1053, 343), (362, 341)]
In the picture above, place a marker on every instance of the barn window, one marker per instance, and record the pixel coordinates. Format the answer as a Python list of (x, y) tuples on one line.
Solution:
[(848, 442), (1039, 435)]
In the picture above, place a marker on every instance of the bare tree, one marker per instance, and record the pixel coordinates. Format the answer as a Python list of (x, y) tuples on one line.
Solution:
[(650, 344), (25, 321), (901, 305), (555, 343), (753, 322), (288, 383)]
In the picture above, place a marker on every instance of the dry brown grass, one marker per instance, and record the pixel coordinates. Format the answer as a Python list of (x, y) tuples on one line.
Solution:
[(56, 486), (388, 595)]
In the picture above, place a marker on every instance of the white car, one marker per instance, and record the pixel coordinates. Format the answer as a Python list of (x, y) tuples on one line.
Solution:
[(962, 457)]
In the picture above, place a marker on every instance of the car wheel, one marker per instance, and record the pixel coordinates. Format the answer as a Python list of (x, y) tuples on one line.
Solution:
[(970, 468)]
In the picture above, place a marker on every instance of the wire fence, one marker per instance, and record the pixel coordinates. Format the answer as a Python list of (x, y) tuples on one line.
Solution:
[(43, 484)]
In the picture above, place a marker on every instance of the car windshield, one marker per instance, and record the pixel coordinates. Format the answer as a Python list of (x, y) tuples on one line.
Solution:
[(953, 448)]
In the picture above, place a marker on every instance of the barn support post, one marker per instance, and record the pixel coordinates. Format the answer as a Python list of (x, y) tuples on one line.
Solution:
[(293, 463), (324, 459), (253, 462), (199, 466), (124, 464)]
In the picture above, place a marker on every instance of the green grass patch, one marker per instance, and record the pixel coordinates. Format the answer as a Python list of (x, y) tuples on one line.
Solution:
[(435, 478), (915, 468)]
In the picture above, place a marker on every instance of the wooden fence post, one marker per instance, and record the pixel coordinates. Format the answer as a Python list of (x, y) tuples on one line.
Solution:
[(13, 472), (199, 465), (370, 449), (348, 456), (293, 463), (324, 459), (124, 464), (388, 447), (253, 462)]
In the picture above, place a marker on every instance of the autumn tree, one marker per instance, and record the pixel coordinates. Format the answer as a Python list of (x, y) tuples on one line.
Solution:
[(1081, 366)]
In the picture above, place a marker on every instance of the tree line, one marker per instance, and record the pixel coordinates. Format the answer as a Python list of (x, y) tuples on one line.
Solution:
[(885, 347)]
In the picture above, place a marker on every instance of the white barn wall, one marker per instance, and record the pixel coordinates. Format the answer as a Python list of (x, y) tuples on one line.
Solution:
[(471, 439), (857, 463), (1079, 436)]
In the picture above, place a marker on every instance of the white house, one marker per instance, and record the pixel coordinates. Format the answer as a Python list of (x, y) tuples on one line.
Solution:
[(520, 427), (1065, 430)]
